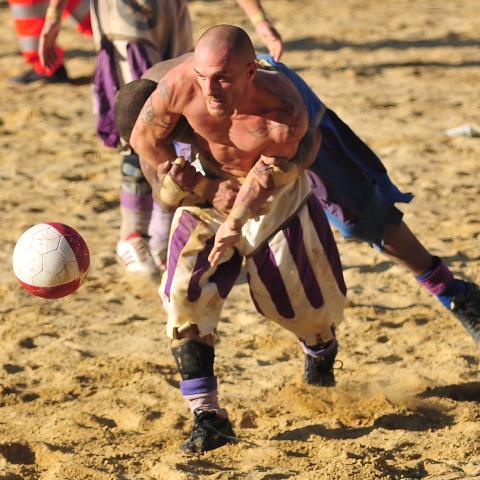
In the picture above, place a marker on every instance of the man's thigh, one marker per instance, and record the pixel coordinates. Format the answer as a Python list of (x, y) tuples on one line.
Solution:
[(192, 291), (296, 278)]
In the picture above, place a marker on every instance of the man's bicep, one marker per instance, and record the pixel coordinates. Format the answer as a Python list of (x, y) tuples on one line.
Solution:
[(156, 116), (157, 113), (302, 151)]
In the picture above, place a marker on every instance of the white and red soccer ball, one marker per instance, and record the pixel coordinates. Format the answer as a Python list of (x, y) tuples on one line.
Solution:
[(51, 260)]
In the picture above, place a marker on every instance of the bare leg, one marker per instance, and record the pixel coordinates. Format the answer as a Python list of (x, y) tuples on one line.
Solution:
[(462, 298), (403, 246), (192, 334)]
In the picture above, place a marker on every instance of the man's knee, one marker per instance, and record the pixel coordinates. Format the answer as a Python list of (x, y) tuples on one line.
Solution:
[(194, 359)]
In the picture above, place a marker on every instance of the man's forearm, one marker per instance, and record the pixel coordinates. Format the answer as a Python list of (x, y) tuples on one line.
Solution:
[(155, 160), (304, 157), (151, 150), (253, 9), (255, 190), (55, 9), (250, 199)]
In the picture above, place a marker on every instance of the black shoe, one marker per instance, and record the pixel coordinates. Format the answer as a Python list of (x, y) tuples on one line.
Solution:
[(466, 307), (210, 431), (59, 76), (319, 371)]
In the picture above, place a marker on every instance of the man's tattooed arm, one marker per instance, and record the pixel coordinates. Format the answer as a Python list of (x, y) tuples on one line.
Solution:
[(150, 135), (150, 118)]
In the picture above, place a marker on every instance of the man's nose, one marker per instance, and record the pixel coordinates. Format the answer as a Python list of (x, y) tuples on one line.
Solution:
[(211, 87)]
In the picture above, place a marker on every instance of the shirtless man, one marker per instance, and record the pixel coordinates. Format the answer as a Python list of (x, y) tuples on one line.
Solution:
[(251, 130), (357, 195), (130, 36)]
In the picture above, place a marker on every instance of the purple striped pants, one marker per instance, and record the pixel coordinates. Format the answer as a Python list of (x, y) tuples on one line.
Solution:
[(295, 275)]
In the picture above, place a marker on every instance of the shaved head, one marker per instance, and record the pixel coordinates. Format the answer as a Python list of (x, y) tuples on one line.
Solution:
[(225, 41), (224, 66)]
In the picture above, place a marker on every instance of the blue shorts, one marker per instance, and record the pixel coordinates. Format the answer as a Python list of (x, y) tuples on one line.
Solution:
[(353, 185)]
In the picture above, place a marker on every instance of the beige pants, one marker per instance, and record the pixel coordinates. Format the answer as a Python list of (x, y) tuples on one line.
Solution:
[(292, 263)]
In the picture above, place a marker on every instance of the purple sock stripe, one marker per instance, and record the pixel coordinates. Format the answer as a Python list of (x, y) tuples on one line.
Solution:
[(320, 352), (186, 224), (325, 236), (197, 386), (131, 201), (271, 277), (438, 280), (294, 235)]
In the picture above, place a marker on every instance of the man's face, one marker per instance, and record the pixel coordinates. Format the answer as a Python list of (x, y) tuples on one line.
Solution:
[(221, 81)]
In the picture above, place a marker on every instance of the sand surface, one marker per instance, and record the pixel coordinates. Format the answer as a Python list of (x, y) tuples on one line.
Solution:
[(88, 389)]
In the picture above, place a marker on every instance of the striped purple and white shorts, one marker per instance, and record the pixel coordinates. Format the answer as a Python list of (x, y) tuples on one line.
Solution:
[(292, 262)]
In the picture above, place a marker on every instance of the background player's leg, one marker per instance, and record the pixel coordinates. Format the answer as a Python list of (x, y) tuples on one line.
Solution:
[(136, 209), (402, 245), (28, 20), (459, 296)]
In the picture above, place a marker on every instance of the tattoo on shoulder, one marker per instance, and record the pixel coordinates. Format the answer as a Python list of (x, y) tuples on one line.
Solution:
[(164, 89), (287, 99), (287, 113), (151, 118)]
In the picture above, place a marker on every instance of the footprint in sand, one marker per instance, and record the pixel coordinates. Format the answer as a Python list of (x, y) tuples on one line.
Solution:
[(17, 453)]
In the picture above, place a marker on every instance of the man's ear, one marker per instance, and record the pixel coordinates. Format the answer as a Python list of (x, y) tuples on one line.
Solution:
[(252, 70)]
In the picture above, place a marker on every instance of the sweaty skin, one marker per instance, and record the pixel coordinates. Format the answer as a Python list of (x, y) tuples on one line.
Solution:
[(241, 117)]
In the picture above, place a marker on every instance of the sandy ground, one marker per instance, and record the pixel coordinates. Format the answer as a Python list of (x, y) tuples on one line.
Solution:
[(88, 389)]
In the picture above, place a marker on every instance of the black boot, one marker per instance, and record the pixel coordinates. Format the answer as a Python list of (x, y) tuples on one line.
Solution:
[(59, 76), (210, 431), (319, 371), (466, 307)]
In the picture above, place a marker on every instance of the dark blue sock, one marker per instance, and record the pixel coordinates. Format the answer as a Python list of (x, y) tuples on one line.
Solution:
[(455, 287)]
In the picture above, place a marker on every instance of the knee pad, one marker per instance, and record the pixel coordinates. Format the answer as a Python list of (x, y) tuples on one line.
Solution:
[(194, 359)]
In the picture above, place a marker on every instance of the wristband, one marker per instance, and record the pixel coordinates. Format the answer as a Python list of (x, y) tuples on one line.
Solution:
[(171, 195), (281, 178), (53, 13), (180, 161), (257, 17)]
